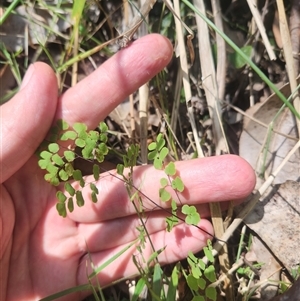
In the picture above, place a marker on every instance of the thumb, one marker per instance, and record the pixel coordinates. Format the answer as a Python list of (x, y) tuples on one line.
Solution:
[(26, 118)]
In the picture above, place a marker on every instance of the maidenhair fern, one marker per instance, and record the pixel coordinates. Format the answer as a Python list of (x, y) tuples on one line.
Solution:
[(57, 161), (57, 157), (158, 152)]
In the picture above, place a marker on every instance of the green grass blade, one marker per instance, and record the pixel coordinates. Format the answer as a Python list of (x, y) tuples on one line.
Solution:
[(113, 258), (157, 280), (8, 11)]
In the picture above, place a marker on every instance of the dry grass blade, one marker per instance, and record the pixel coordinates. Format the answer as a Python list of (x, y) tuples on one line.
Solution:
[(142, 13), (209, 80), (261, 28), (185, 76), (294, 29), (143, 103), (221, 50), (288, 53)]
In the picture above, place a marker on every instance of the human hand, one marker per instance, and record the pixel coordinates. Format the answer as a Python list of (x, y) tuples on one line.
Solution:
[(43, 253)]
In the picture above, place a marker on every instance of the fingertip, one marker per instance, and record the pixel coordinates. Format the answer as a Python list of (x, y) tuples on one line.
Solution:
[(37, 99), (217, 179), (98, 94), (158, 46), (243, 174), (26, 118)]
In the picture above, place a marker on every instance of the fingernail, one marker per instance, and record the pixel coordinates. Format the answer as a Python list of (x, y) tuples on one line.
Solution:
[(27, 77)]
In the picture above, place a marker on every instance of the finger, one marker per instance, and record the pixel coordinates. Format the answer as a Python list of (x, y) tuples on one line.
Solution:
[(26, 118), (93, 98), (178, 243), (98, 236), (213, 179)]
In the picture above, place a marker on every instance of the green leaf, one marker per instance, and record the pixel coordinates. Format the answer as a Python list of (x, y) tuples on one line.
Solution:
[(53, 170), (174, 206), (70, 204), (211, 293), (87, 152), (208, 252), (164, 182), (53, 147), (132, 155), (160, 142), (192, 282), (57, 160), (163, 153), (63, 175), (120, 169), (103, 127), (103, 138), (94, 135), (96, 172), (79, 198), (178, 184), (164, 195), (77, 175), (196, 272), (99, 157), (60, 196), (201, 264), (170, 169), (152, 155), (44, 164), (192, 259), (69, 155), (94, 197), (201, 283), (61, 209), (45, 155), (80, 142), (191, 219), (94, 188), (52, 179), (68, 135), (103, 148), (152, 146), (171, 222), (192, 216), (210, 273), (185, 209), (69, 188), (158, 164), (69, 169), (79, 127)]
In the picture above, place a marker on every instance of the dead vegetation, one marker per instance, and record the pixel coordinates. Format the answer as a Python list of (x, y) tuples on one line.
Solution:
[(209, 101)]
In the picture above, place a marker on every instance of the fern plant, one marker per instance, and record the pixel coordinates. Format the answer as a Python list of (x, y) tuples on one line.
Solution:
[(158, 152), (58, 161)]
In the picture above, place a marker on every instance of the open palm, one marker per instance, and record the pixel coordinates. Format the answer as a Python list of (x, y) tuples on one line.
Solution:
[(43, 253)]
